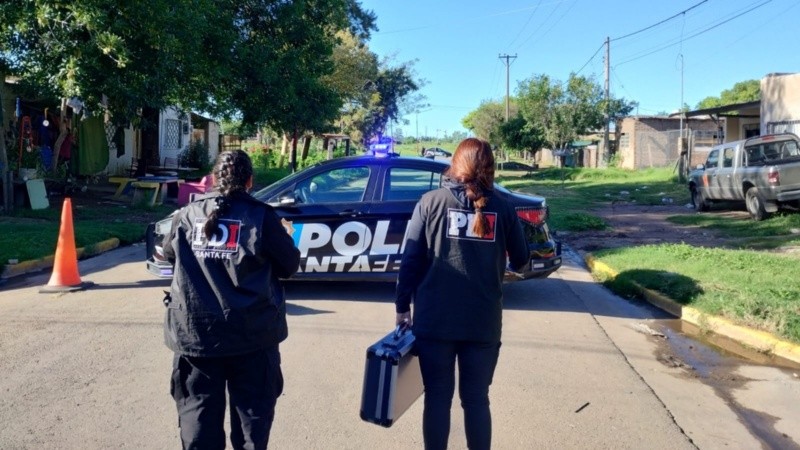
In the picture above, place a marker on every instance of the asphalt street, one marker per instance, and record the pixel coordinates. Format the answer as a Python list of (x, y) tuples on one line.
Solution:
[(89, 370)]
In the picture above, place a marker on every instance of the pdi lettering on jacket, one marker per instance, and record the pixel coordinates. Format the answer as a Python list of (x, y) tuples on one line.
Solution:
[(223, 243), (459, 225)]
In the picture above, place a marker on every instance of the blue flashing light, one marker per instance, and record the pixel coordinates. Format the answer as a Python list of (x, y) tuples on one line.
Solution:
[(382, 147)]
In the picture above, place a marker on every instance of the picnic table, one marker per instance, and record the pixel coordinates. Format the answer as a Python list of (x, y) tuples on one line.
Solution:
[(155, 189)]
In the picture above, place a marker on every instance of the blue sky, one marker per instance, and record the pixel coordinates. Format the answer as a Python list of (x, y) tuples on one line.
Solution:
[(457, 43)]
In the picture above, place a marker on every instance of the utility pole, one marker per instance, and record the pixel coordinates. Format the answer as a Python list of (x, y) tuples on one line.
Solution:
[(508, 65), (606, 143), (508, 59)]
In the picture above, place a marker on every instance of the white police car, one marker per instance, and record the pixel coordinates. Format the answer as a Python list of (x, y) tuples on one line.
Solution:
[(348, 216)]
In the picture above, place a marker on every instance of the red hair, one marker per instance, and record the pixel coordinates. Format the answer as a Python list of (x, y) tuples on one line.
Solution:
[(473, 166)]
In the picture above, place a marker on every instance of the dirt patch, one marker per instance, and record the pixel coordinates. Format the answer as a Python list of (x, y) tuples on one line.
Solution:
[(635, 225)]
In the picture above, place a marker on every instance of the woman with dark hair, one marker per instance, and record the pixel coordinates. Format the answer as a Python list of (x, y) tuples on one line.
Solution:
[(226, 313), (458, 243)]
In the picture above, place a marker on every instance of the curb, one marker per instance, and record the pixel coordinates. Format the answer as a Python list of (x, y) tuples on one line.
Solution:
[(757, 340), (36, 265)]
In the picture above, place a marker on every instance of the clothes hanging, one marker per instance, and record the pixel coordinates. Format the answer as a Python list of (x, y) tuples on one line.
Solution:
[(92, 146)]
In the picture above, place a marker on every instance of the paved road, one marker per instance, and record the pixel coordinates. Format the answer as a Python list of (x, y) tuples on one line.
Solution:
[(578, 369)]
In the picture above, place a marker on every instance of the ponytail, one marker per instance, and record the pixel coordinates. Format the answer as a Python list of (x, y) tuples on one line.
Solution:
[(232, 172)]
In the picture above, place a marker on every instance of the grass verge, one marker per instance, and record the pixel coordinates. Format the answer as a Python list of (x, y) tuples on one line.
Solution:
[(572, 193), (746, 285), (33, 234), (755, 289)]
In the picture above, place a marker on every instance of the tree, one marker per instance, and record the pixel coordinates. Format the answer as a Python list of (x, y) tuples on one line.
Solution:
[(262, 61), (385, 103), (518, 135), (564, 111), (741, 92), (486, 121)]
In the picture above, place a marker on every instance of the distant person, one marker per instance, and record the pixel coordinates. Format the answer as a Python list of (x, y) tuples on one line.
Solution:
[(422, 152), (226, 312), (452, 270)]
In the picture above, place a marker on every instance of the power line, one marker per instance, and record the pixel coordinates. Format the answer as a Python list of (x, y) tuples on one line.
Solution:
[(590, 59), (694, 35), (526, 23), (473, 19), (552, 11), (659, 23)]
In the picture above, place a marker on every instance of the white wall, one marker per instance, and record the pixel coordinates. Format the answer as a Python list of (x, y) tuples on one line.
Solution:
[(780, 100), (185, 129)]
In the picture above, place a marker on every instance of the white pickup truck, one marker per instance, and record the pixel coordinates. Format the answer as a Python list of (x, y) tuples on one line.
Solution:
[(762, 171)]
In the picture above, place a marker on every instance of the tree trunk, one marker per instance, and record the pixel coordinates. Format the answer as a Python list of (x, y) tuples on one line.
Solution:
[(8, 197), (306, 146), (62, 134), (293, 154), (284, 148)]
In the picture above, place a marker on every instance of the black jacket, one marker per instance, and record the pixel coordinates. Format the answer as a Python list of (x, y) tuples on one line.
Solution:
[(226, 298), (454, 278)]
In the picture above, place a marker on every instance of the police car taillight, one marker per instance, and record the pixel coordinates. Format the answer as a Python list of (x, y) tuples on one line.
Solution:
[(534, 216)]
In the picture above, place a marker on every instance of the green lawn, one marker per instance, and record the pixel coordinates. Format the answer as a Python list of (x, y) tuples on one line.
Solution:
[(747, 285)]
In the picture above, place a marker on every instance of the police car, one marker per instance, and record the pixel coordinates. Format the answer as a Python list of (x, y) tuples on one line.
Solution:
[(348, 216)]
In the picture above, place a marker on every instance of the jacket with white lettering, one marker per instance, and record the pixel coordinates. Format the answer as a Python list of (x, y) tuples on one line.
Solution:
[(454, 277), (226, 298)]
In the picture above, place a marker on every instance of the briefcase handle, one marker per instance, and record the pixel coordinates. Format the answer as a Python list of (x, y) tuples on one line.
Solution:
[(401, 329)]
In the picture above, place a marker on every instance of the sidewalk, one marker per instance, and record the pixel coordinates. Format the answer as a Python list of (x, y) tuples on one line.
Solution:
[(759, 341)]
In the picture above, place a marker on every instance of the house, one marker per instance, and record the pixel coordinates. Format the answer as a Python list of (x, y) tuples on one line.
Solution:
[(780, 103), (778, 111), (654, 141), (160, 134), (164, 134)]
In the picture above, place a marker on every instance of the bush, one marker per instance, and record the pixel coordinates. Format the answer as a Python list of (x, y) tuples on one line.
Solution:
[(196, 155)]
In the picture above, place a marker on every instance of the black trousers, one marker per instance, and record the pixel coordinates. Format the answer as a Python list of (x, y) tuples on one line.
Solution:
[(254, 382), (476, 364)]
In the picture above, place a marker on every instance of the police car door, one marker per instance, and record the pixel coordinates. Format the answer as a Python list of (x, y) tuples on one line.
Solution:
[(400, 187), (330, 221)]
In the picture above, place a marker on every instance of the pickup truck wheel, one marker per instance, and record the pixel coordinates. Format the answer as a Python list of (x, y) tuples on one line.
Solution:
[(700, 203), (755, 204)]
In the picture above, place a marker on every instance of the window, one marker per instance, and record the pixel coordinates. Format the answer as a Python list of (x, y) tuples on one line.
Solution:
[(409, 184), (727, 157), (173, 135), (624, 141), (345, 185), (751, 130), (713, 159), (754, 155)]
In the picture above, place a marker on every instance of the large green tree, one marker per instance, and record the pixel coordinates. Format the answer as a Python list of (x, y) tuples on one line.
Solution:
[(262, 61), (565, 111), (387, 100), (741, 92), (486, 121), (520, 136)]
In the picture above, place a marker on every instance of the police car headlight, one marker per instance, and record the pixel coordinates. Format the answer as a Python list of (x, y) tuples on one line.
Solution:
[(163, 226)]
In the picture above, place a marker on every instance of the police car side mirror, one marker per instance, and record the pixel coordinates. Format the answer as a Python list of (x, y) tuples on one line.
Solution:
[(287, 199)]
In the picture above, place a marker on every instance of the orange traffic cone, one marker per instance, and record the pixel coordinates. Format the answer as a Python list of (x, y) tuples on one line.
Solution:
[(65, 277)]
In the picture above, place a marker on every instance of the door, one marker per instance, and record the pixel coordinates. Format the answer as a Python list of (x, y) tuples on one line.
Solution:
[(724, 186), (709, 178), (331, 223)]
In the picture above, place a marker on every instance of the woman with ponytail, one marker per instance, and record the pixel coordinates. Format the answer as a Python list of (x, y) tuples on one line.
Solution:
[(458, 244), (226, 313)]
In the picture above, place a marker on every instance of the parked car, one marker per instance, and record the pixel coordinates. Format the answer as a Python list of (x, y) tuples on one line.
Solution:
[(762, 171), (348, 217), (436, 151)]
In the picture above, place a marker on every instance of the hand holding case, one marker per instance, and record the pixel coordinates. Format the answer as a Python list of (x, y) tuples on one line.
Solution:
[(392, 379)]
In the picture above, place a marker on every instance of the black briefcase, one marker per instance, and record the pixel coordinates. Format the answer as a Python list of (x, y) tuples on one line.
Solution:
[(392, 380)]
